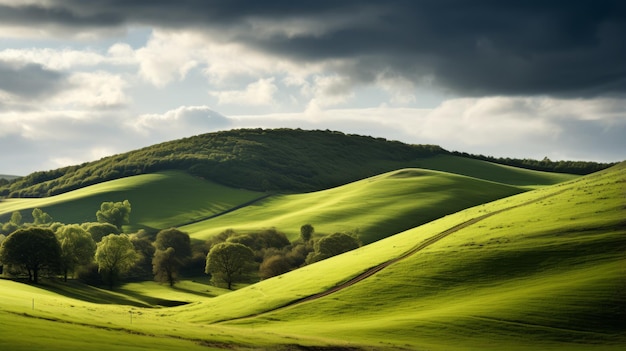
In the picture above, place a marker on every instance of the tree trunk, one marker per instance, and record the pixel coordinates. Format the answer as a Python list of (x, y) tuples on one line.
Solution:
[(65, 275), (35, 275), (111, 279), (170, 277)]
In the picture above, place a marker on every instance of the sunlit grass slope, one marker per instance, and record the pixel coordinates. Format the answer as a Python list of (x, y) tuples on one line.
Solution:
[(492, 171), (56, 316), (85, 318), (158, 200), (376, 207), (541, 270)]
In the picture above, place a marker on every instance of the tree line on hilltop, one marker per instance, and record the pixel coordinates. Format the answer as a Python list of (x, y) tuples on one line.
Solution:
[(253, 159), (101, 253), (262, 160), (545, 165)]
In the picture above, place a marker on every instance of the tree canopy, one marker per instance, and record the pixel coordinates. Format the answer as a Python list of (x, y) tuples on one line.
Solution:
[(253, 159), (115, 255), (40, 217), (116, 213), (77, 247), (173, 248), (32, 249), (306, 231), (332, 245), (229, 261), (100, 230)]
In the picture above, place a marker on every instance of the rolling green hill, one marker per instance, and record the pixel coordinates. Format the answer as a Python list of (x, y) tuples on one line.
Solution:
[(378, 206), (254, 159), (278, 160), (492, 171), (375, 207), (159, 200), (538, 270)]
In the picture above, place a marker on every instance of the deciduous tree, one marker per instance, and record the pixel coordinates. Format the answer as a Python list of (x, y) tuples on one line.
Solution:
[(116, 213), (173, 248), (100, 230), (273, 266), (32, 249), (143, 242), (306, 231), (77, 248), (40, 217), (16, 218), (332, 245), (115, 255), (229, 261)]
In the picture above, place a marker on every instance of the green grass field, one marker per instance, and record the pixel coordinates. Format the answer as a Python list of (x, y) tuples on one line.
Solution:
[(547, 271), (492, 171), (412, 197), (159, 200), (408, 197), (550, 273), (544, 269)]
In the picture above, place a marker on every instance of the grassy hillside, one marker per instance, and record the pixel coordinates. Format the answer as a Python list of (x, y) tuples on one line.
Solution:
[(539, 270), (492, 171), (282, 160), (255, 159), (158, 200), (376, 207), (410, 197)]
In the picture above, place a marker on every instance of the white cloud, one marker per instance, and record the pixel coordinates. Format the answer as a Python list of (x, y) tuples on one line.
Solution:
[(330, 91), (499, 126), (169, 56), (94, 90), (180, 122), (488, 121), (259, 93)]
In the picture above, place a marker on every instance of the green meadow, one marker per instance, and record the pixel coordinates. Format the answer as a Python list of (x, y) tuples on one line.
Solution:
[(159, 200), (545, 272), (541, 269), (491, 171), (410, 197)]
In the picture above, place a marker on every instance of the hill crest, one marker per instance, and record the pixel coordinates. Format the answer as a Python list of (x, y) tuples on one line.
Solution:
[(276, 160)]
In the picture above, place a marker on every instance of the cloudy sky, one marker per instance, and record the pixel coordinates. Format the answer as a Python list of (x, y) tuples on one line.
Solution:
[(80, 80)]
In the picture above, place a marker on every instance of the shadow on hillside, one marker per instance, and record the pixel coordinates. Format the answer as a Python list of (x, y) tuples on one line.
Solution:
[(197, 293), (151, 300), (88, 293)]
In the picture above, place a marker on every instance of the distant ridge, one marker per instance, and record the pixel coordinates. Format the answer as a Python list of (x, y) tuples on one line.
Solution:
[(253, 159), (275, 160)]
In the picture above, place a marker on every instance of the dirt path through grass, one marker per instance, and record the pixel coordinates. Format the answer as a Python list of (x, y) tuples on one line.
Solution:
[(419, 247)]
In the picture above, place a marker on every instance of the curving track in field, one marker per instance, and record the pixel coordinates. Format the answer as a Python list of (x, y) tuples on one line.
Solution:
[(419, 247)]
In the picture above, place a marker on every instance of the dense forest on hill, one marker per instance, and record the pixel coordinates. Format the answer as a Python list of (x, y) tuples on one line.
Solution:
[(260, 160), (254, 159), (545, 165)]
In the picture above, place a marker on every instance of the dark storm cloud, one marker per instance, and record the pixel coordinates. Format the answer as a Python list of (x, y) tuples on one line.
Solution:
[(30, 80), (487, 47)]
